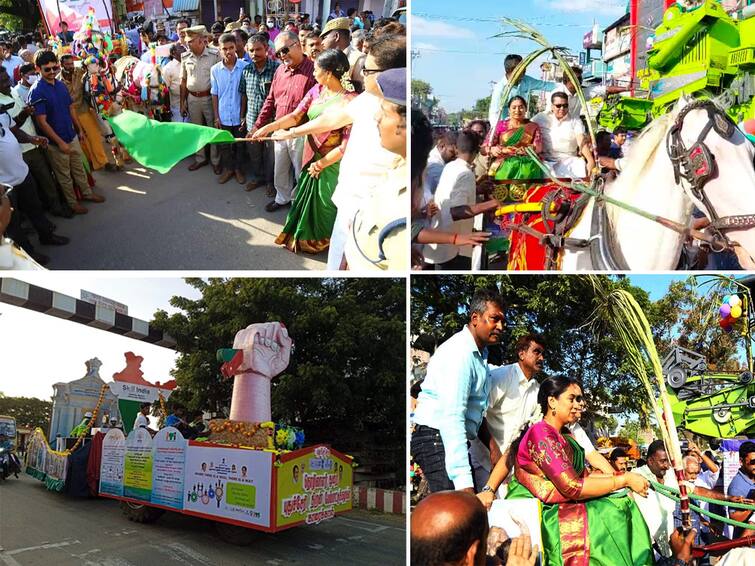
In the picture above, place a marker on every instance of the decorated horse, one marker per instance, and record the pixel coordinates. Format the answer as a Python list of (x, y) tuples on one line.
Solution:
[(143, 88), (693, 157), (96, 50)]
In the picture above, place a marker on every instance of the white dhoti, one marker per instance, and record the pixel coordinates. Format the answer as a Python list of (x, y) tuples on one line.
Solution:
[(570, 167), (338, 239)]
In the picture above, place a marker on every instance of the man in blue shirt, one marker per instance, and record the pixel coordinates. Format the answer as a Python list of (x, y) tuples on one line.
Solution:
[(225, 77), (524, 86), (58, 121), (743, 485), (454, 397)]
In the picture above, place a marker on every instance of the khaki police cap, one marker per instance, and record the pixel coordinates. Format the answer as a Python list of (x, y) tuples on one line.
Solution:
[(196, 30), (336, 23)]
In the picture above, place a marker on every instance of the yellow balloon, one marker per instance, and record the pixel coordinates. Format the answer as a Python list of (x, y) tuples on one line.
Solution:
[(736, 311)]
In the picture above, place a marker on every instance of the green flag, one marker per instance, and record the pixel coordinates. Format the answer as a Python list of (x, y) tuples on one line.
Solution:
[(160, 145)]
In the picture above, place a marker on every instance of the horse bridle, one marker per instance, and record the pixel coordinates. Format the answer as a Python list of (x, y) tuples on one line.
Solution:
[(697, 165)]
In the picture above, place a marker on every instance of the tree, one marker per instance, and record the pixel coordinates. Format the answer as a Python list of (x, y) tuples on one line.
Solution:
[(28, 411), (345, 384), (482, 106), (421, 89), (19, 15)]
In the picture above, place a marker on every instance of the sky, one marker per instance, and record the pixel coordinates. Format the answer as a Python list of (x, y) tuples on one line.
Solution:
[(454, 51), (39, 350)]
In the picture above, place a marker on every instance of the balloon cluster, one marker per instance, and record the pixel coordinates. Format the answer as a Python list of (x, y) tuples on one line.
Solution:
[(730, 311)]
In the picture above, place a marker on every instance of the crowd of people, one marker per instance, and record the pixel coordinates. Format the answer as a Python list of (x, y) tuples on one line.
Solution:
[(464, 165), (323, 110), (483, 432)]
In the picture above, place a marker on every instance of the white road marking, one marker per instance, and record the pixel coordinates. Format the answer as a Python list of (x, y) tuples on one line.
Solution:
[(43, 546), (87, 553), (376, 528), (315, 546), (9, 560)]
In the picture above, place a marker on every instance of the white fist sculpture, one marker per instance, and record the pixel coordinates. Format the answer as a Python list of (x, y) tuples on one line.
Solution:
[(262, 352)]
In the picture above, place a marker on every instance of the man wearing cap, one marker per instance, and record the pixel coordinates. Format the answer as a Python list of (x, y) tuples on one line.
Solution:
[(379, 239), (292, 80), (336, 35), (196, 101)]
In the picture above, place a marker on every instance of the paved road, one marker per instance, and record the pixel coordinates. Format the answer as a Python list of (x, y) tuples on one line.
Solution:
[(181, 220), (38, 527)]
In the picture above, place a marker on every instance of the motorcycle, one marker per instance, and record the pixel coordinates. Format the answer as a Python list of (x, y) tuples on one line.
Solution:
[(9, 463)]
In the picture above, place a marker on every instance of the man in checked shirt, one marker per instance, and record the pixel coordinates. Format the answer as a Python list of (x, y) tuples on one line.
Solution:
[(256, 80), (292, 80)]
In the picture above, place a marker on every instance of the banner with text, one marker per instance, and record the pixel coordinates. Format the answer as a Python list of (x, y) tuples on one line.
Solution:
[(313, 486), (111, 464), (229, 482), (169, 457), (137, 466)]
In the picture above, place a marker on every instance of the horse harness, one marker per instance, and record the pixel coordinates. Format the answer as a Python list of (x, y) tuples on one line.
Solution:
[(697, 165)]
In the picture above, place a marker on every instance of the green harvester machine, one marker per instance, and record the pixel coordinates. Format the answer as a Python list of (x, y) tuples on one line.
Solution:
[(702, 52), (710, 402)]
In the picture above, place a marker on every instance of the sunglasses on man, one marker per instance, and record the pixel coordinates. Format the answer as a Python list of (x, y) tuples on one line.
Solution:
[(50, 69), (283, 51), (560, 106)]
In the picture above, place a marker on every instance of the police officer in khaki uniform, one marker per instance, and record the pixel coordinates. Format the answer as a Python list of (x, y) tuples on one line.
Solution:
[(196, 102), (336, 35), (378, 238)]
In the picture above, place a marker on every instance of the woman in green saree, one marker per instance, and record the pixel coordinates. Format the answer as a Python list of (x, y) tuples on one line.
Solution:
[(586, 520), (509, 141), (310, 221)]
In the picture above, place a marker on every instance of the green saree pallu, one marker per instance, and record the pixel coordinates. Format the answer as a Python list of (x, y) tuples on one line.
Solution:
[(310, 221), (517, 166), (605, 531)]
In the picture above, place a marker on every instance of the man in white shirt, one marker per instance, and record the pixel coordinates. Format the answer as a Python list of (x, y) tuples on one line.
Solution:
[(512, 403), (566, 147), (456, 199), (656, 509), (141, 419), (444, 152)]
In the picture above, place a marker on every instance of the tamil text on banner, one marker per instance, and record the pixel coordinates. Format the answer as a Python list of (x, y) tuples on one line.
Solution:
[(111, 464), (74, 12), (231, 483), (313, 485)]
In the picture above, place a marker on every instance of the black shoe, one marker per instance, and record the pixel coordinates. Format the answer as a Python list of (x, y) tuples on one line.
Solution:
[(41, 259), (273, 206), (63, 211), (54, 240)]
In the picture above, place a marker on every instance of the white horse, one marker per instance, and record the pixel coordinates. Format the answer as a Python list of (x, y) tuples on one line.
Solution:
[(647, 182)]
